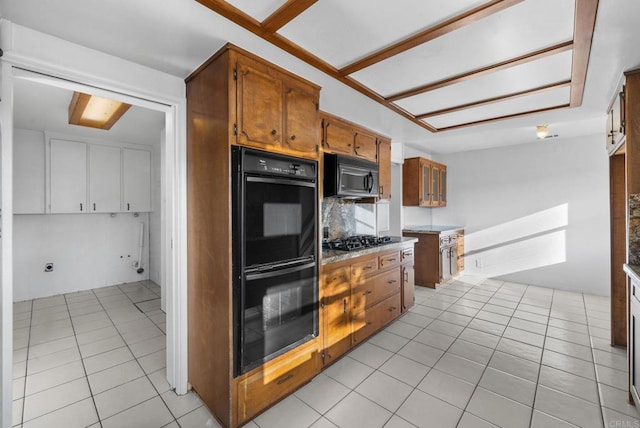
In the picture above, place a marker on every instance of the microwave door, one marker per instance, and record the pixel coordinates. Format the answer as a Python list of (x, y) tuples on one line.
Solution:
[(355, 181)]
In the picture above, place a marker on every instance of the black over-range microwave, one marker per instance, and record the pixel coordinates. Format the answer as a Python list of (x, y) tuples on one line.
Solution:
[(349, 177)]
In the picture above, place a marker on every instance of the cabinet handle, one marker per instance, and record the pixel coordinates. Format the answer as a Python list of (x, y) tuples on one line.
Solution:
[(367, 267), (391, 281), (406, 276), (345, 305), (80, 206), (128, 206), (381, 189), (94, 206), (366, 293), (273, 132), (357, 147), (369, 323), (293, 137), (391, 260), (392, 309), (284, 379)]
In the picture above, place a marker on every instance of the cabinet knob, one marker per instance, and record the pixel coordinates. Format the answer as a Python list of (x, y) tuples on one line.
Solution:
[(293, 137), (273, 132)]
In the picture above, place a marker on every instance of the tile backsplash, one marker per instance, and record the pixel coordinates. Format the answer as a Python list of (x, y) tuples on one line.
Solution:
[(345, 217)]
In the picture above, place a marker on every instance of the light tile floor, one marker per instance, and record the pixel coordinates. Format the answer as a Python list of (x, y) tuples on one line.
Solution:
[(474, 353)]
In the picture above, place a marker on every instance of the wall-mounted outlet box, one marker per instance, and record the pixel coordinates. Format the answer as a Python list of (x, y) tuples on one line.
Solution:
[(48, 267)]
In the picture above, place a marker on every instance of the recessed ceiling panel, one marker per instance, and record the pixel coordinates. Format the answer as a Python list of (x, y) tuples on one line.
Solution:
[(257, 9), (341, 32), (526, 27), (552, 69), (514, 106)]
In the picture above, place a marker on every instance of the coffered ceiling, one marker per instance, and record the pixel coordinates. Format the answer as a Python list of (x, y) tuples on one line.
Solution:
[(177, 36), (442, 65)]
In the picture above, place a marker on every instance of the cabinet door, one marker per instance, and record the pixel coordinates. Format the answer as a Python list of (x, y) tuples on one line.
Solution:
[(384, 169), (443, 186), (435, 185), (259, 108), (301, 121), (68, 176), (104, 179), (136, 173), (365, 146), (28, 172), (425, 188), (408, 287), (338, 137), (337, 325)]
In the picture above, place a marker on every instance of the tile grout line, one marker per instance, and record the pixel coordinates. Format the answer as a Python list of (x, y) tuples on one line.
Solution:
[(84, 369), (26, 365), (593, 355), (492, 354)]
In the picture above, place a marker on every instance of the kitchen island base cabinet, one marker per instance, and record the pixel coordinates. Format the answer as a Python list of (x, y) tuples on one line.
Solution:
[(439, 255)]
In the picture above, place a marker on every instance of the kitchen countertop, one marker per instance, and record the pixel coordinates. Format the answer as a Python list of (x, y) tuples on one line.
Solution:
[(333, 256), (633, 271), (430, 228)]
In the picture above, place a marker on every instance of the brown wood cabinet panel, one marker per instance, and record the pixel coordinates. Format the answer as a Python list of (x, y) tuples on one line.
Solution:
[(387, 283), (460, 252), (265, 387), (364, 324), (301, 112), (408, 287), (384, 169), (389, 260), (365, 146), (259, 107), (361, 269), (336, 307), (339, 137), (427, 259), (388, 309)]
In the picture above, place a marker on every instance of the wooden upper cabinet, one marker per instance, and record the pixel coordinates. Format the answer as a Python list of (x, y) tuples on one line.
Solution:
[(276, 111), (259, 107), (424, 183), (616, 120), (384, 168), (301, 110), (365, 146), (338, 136)]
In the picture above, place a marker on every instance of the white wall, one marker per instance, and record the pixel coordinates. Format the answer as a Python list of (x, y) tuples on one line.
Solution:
[(155, 221), (535, 214), (88, 251)]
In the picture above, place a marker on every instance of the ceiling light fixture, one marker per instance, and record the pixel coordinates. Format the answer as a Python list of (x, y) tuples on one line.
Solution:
[(542, 131), (95, 112)]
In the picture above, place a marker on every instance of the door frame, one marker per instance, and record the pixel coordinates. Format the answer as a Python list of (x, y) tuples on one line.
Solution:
[(31, 65)]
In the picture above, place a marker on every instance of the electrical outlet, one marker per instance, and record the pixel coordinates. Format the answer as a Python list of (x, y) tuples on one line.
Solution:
[(48, 267), (478, 263)]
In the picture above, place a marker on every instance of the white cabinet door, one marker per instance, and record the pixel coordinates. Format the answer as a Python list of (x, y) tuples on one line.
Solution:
[(137, 180), (104, 179), (28, 172), (68, 176)]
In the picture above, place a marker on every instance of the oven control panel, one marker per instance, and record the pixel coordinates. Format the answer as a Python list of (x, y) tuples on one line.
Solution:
[(276, 164)]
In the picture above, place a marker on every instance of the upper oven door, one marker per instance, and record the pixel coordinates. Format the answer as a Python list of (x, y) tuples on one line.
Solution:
[(279, 216), (357, 181)]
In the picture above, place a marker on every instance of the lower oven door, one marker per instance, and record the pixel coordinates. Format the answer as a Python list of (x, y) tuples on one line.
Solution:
[(278, 311)]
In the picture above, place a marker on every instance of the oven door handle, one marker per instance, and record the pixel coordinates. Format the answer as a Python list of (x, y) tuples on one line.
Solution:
[(292, 182), (279, 272)]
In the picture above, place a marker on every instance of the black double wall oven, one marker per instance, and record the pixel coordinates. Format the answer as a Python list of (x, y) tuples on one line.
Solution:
[(275, 260)]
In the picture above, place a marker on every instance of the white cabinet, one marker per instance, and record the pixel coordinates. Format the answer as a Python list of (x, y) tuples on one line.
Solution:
[(28, 172), (136, 173), (104, 179), (68, 176)]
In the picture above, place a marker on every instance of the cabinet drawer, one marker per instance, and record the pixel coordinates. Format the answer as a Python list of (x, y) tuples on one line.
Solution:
[(364, 268), (364, 295), (389, 260), (334, 277), (635, 292), (264, 388), (406, 255), (387, 284), (388, 309)]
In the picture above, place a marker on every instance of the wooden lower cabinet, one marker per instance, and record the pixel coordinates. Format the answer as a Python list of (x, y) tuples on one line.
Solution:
[(378, 284), (266, 385)]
